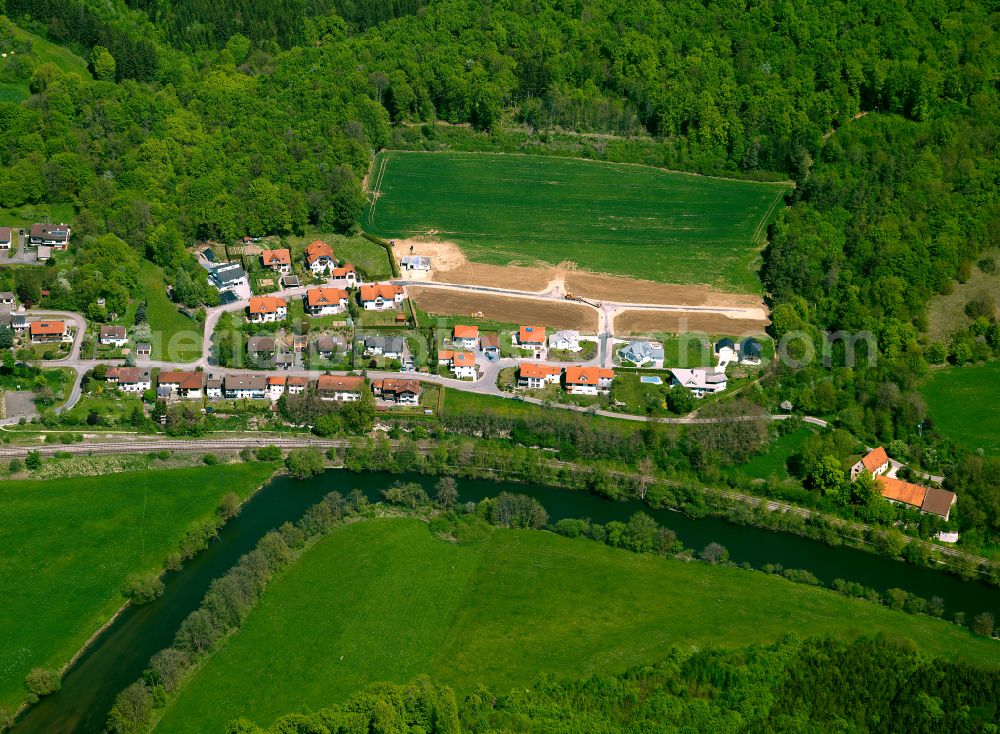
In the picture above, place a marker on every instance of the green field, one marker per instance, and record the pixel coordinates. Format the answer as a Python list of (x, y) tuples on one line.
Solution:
[(67, 545), (610, 218), (959, 403), (774, 461), (385, 600), (370, 259), (42, 52), (175, 336)]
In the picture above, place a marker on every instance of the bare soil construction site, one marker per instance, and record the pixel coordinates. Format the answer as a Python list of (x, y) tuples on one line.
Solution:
[(679, 322), (510, 309)]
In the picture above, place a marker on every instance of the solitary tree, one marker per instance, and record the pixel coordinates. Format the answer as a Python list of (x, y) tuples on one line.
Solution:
[(983, 624), (446, 492), (714, 553)]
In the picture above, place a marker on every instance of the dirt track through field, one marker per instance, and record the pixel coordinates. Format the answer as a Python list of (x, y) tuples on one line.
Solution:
[(670, 322), (505, 308)]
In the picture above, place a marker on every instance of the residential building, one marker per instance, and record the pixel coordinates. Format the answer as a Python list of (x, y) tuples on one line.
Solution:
[(5, 238), (327, 346), (143, 349), (565, 340), (276, 386), (261, 346), (47, 331), (284, 360), (7, 298), (939, 502), (751, 351), (391, 347), (319, 257), (531, 337), (213, 387), (112, 336), (381, 296), (461, 364), (641, 352), (700, 381), (296, 385), (228, 276), (181, 384), (415, 263), (18, 321), (244, 386), (490, 344), (535, 376), (55, 236), (323, 301), (345, 276), (466, 337), (340, 389), (588, 380), (279, 261), (875, 462), (399, 391), (267, 309), (128, 379)]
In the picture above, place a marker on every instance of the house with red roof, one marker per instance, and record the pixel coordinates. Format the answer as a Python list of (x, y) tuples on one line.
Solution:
[(345, 276), (47, 331), (339, 389), (280, 261), (319, 257), (534, 375), (875, 462), (381, 296), (461, 364), (322, 301), (588, 380), (466, 337), (267, 309)]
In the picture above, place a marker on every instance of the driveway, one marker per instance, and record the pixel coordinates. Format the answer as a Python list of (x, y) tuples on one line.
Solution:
[(19, 403)]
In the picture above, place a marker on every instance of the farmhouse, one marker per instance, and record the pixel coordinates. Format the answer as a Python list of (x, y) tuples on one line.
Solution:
[(875, 462), (246, 386), (534, 376), (466, 337), (340, 389), (319, 257), (381, 296), (267, 309), (640, 352), (566, 340), (5, 238), (228, 276), (181, 384), (345, 276), (322, 301), (700, 381), (391, 347), (280, 261), (399, 391), (938, 502), (461, 364), (112, 335), (588, 380), (47, 331), (55, 236), (128, 379)]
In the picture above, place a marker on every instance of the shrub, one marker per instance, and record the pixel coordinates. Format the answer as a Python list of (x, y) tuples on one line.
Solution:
[(983, 624), (210, 459), (714, 553), (269, 453), (33, 460), (302, 463), (15, 466), (42, 682), (142, 589)]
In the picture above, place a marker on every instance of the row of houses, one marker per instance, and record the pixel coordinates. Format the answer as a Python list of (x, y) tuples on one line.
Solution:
[(324, 301), (188, 385), (577, 380), (928, 500)]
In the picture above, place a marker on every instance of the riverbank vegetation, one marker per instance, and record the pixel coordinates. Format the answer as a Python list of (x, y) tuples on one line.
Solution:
[(80, 540), (488, 605)]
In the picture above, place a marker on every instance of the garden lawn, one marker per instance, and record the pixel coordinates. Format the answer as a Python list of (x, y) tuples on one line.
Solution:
[(370, 259), (774, 461), (175, 336), (962, 403), (25, 216), (613, 218), (67, 545), (386, 600)]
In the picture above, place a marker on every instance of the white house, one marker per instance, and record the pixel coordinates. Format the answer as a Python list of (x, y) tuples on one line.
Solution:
[(415, 263), (228, 276), (381, 296), (466, 337), (129, 379), (534, 376), (112, 336), (566, 340), (399, 391), (391, 347), (296, 385), (275, 386), (55, 236), (461, 364), (323, 301), (280, 261), (237, 387), (181, 384), (213, 388), (340, 389), (641, 352), (267, 309), (5, 238), (700, 381), (588, 380), (875, 462), (319, 257), (345, 276)]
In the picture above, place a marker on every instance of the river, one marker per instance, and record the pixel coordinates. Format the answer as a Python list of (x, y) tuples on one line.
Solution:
[(119, 654)]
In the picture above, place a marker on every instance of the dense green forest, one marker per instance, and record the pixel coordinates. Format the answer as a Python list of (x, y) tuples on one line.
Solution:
[(214, 121), (816, 685)]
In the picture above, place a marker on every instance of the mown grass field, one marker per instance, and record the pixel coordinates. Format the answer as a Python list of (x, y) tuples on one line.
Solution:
[(774, 461), (385, 600), (175, 336), (962, 403), (621, 219), (67, 546)]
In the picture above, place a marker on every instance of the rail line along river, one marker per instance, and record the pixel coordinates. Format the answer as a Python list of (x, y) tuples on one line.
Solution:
[(120, 653)]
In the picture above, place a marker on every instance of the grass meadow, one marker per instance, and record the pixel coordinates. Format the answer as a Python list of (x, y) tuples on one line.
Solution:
[(166, 320), (43, 52), (67, 546), (621, 219), (386, 600), (961, 402)]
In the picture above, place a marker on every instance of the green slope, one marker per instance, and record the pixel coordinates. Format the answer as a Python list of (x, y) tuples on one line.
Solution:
[(385, 600), (67, 545), (958, 401)]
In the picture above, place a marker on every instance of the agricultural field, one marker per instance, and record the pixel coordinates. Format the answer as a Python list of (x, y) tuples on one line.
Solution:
[(77, 540), (955, 394), (505, 309), (629, 220), (384, 600), (683, 322), (175, 336)]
